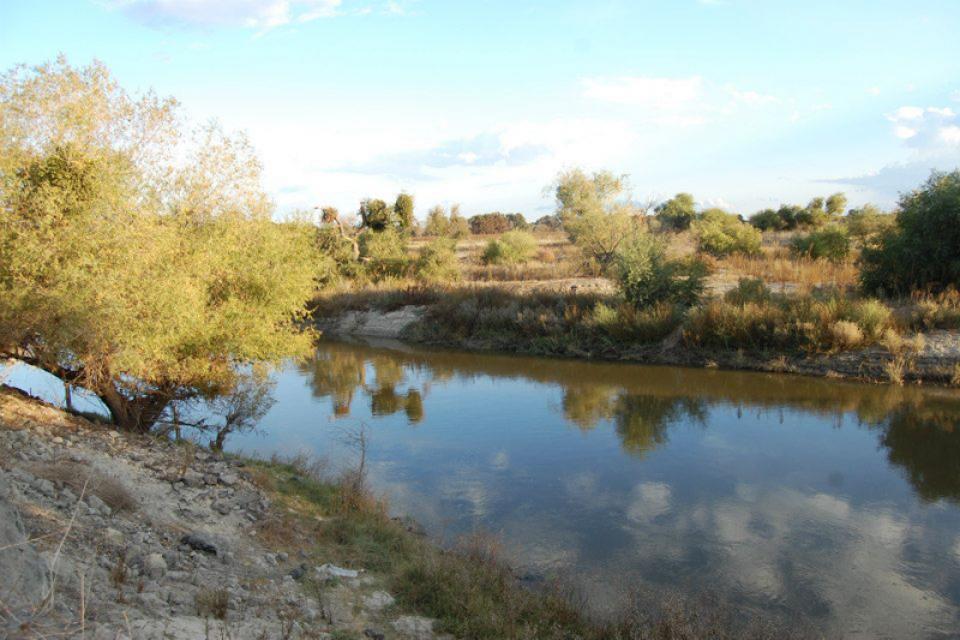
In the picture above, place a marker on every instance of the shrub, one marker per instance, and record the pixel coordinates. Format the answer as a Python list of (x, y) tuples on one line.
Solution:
[(873, 317), (384, 254), (767, 220), (513, 247), (846, 334), (677, 213), (748, 290), (832, 244), (868, 222), (923, 250), (721, 234), (438, 261), (487, 223), (646, 276), (628, 323)]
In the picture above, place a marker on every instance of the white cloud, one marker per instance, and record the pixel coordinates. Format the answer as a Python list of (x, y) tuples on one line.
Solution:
[(874, 91), (649, 500), (254, 14), (927, 129)]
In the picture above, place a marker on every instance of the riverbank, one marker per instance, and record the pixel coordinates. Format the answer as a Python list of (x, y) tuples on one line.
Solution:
[(929, 357), (116, 536)]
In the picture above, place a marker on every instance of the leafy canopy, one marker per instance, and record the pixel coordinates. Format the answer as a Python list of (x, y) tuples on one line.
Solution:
[(138, 259)]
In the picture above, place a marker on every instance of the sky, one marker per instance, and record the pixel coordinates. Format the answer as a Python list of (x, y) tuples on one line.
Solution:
[(744, 103)]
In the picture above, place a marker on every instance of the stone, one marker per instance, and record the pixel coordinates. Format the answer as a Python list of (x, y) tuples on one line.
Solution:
[(18, 558), (327, 571), (98, 505), (298, 572), (229, 479), (378, 600), (200, 543), (44, 486), (154, 565), (414, 627), (113, 536), (337, 605), (193, 479), (373, 634)]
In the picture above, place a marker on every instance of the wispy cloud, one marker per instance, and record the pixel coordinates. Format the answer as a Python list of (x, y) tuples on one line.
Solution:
[(927, 129), (251, 14)]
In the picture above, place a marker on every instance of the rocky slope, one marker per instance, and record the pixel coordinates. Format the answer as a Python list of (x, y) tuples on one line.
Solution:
[(110, 536)]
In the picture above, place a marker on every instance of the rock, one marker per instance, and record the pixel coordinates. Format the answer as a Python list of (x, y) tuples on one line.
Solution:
[(154, 565), (414, 627), (200, 543), (113, 536), (44, 486), (337, 605), (282, 556), (19, 560), (299, 572), (222, 507), (98, 505), (327, 571), (193, 479), (229, 479), (378, 600), (373, 634)]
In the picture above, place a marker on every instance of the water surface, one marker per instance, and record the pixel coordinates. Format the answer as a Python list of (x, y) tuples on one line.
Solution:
[(826, 501), (796, 498)]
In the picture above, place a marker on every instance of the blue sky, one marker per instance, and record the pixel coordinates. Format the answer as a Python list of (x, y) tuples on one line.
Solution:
[(744, 103)]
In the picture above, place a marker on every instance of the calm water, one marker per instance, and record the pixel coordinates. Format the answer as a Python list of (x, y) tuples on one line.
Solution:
[(819, 500)]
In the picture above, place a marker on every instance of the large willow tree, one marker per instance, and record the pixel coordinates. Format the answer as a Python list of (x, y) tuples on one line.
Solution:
[(138, 259)]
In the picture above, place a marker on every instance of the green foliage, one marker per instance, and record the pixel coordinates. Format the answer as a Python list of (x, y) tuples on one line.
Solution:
[(513, 247), (836, 205), (831, 243), (438, 261), (593, 218), (867, 222), (677, 213), (789, 217), (403, 211), (137, 261), (459, 227), (375, 214), (923, 251), (437, 222), (721, 234), (336, 256), (749, 290), (646, 276), (752, 318), (384, 254)]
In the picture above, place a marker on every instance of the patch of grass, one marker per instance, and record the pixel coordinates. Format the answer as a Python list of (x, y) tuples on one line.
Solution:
[(76, 475), (213, 603)]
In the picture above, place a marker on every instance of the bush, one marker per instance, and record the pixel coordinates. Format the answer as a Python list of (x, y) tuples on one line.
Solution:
[(749, 290), (922, 252), (487, 223), (438, 261), (646, 276), (831, 244), (384, 254), (868, 222), (767, 220), (722, 234), (677, 213), (627, 323), (513, 247)]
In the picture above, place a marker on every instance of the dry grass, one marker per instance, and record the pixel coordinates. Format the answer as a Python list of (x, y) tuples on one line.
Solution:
[(779, 269), (213, 603), (76, 476)]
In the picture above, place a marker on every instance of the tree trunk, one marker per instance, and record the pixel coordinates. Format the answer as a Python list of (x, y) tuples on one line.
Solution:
[(138, 414)]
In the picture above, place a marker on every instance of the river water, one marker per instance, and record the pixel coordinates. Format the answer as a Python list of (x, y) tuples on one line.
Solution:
[(820, 501)]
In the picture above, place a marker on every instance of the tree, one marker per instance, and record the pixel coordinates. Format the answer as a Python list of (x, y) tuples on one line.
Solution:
[(459, 227), (403, 211), (437, 222), (375, 214), (923, 250), (836, 204), (591, 214), (647, 276), (720, 234), (137, 260), (486, 223), (678, 212)]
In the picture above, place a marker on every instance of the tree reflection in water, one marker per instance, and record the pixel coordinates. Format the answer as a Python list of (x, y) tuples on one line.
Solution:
[(918, 428)]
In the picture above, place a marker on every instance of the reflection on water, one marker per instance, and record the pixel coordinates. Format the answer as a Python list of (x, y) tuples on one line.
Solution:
[(820, 500)]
